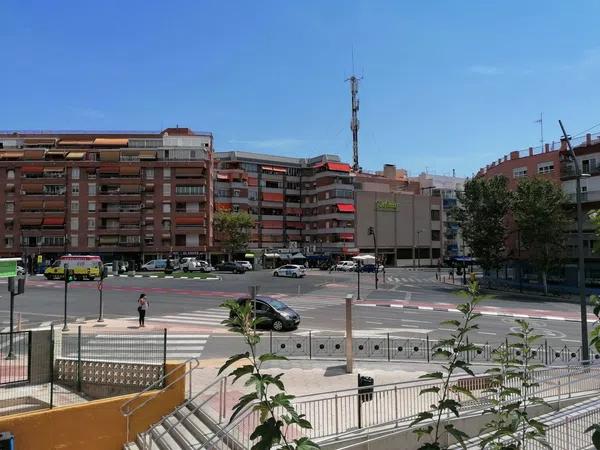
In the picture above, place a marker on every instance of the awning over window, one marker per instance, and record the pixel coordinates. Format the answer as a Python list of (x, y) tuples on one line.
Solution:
[(76, 155), (53, 221), (68, 142), (109, 169), (109, 155), (223, 206), (293, 211), (53, 169), (39, 141), (31, 221), (11, 155), (274, 169), (148, 154), (345, 207), (130, 188), (129, 170), (347, 236), (54, 204), (272, 224), (34, 154), (108, 239), (188, 171), (129, 220), (189, 220), (222, 177), (32, 169), (112, 142), (32, 204), (272, 196), (32, 188), (295, 225), (252, 181), (334, 166), (56, 153)]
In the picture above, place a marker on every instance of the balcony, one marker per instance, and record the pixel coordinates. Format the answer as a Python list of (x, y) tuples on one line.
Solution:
[(586, 197)]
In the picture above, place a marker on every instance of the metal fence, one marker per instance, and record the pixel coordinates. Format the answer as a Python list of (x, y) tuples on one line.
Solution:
[(14, 357), (394, 348)]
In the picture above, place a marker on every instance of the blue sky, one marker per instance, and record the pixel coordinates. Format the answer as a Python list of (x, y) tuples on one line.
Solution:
[(446, 84)]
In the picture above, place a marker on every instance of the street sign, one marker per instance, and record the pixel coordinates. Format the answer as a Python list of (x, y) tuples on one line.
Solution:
[(8, 267)]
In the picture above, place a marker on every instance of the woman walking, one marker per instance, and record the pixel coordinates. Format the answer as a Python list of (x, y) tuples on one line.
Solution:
[(142, 308)]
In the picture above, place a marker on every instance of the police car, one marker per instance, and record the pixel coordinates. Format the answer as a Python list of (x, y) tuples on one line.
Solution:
[(290, 270)]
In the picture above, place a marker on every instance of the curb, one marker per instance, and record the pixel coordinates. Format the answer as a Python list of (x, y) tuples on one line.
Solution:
[(483, 313), (110, 275)]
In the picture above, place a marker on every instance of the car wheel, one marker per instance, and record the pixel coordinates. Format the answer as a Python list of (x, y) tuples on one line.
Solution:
[(294, 275), (275, 274), (185, 269), (277, 325), (48, 277), (91, 278)]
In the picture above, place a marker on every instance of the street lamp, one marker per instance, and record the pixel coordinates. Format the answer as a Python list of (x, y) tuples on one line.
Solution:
[(416, 249), (585, 351), (372, 233)]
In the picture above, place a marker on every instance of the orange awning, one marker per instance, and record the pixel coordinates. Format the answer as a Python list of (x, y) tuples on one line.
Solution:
[(109, 169), (345, 207), (32, 221), (11, 155), (223, 206), (272, 196), (272, 224), (338, 167), (111, 141), (67, 142), (189, 220), (148, 154), (75, 155), (223, 177), (32, 169), (129, 170)]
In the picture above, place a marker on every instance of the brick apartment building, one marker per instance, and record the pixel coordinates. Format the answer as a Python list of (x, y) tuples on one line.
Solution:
[(125, 195), (300, 204)]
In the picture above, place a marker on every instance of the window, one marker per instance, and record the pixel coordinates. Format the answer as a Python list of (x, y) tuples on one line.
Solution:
[(149, 173), (75, 240), (222, 192), (54, 241), (435, 235), (74, 206), (54, 189), (252, 195), (74, 223), (10, 207), (8, 241), (166, 189), (10, 174), (272, 184), (435, 214), (235, 208), (520, 172), (166, 170), (189, 190), (75, 173), (92, 207), (249, 167), (92, 189), (75, 189), (166, 207), (91, 241), (166, 224), (588, 165), (91, 223), (236, 192), (545, 167)]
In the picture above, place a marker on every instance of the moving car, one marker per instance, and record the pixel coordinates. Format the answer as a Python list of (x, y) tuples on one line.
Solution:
[(154, 265), (231, 267), (370, 268), (345, 266), (290, 270), (199, 266), (83, 266), (277, 314), (188, 263), (246, 264)]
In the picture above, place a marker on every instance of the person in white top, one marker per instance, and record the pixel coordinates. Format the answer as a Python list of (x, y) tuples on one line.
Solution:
[(142, 308)]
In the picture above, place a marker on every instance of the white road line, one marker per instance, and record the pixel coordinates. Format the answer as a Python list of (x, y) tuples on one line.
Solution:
[(376, 323), (446, 329), (489, 313), (146, 336), (415, 321), (485, 332), (521, 315), (428, 308), (571, 340)]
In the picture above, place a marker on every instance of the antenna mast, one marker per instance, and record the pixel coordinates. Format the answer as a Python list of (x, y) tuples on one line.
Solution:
[(354, 124)]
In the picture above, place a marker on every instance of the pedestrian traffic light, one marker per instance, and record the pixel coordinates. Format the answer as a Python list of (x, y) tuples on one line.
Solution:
[(69, 274)]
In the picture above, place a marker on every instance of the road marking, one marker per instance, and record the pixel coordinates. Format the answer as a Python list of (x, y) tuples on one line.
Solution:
[(571, 340), (376, 323), (446, 329), (485, 332), (415, 321)]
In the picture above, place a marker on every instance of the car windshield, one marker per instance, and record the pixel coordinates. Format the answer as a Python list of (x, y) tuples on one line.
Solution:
[(277, 305)]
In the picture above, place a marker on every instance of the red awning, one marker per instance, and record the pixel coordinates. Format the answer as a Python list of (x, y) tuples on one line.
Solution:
[(278, 169), (338, 167), (109, 169), (221, 176), (32, 169), (345, 207), (272, 197), (223, 206), (272, 224), (53, 221), (347, 236)]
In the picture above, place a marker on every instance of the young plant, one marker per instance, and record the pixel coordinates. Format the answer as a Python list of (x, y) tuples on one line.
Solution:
[(511, 385), (271, 431), (453, 351)]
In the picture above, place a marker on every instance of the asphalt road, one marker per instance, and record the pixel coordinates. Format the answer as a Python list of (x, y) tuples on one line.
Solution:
[(318, 298)]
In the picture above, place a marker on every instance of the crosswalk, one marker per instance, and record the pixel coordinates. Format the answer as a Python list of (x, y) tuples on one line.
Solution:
[(144, 347), (410, 280)]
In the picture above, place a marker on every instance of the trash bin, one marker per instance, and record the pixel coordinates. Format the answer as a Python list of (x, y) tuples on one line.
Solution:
[(7, 441), (365, 388)]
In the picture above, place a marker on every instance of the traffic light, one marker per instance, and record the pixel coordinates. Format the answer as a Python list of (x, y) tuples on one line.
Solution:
[(104, 273), (69, 274)]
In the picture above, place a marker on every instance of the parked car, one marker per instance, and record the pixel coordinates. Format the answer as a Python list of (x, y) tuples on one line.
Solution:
[(231, 266), (277, 314), (246, 264), (199, 266), (369, 268), (154, 265), (188, 263), (122, 267), (290, 270), (346, 266)]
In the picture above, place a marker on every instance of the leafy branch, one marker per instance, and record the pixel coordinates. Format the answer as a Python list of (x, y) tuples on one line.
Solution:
[(270, 432)]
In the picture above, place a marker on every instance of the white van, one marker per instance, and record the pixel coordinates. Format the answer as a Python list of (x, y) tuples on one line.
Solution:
[(156, 265)]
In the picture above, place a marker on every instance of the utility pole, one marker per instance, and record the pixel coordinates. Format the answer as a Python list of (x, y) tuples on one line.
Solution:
[(585, 351), (67, 279), (354, 124), (372, 232)]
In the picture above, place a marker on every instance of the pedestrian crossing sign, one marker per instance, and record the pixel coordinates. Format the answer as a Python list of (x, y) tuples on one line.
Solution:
[(8, 267)]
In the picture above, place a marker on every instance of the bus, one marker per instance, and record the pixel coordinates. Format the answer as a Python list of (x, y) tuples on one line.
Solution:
[(83, 266)]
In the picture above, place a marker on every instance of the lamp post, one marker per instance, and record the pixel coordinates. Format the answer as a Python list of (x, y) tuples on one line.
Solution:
[(418, 250), (372, 233), (585, 351)]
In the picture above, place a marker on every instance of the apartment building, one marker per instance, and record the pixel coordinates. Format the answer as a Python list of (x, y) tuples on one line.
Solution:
[(299, 204), (129, 195), (407, 224)]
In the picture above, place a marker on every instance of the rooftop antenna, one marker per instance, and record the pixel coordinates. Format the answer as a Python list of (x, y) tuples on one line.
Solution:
[(541, 122)]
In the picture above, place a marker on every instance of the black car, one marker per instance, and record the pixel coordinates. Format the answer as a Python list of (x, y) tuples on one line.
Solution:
[(278, 315), (231, 267)]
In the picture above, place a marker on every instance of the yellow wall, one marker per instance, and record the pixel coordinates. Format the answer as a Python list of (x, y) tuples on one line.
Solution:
[(96, 425)]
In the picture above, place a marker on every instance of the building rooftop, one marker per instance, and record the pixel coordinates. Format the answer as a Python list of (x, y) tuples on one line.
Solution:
[(264, 157), (15, 134)]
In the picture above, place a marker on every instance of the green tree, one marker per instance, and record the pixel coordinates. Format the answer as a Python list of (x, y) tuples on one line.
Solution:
[(539, 211), (481, 216), (235, 230)]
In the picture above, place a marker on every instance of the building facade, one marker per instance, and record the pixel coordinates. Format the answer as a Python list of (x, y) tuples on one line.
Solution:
[(299, 204), (132, 196)]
